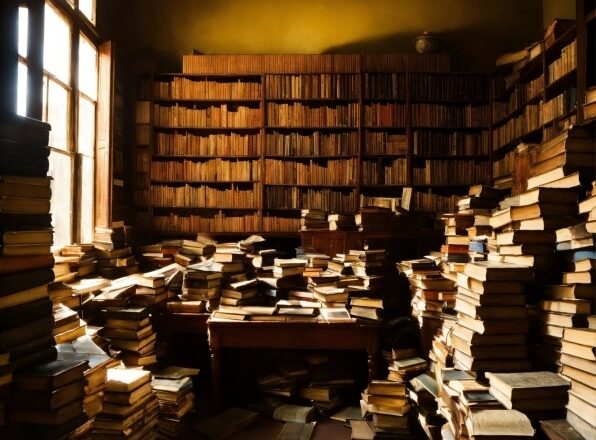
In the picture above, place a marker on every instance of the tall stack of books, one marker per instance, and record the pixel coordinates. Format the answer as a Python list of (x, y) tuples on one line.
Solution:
[(114, 256), (151, 287), (313, 220), (315, 262), (173, 387), (202, 282), (286, 275), (25, 260), (387, 402), (578, 365), (491, 328), (130, 330), (540, 395), (429, 289), (48, 399), (130, 407)]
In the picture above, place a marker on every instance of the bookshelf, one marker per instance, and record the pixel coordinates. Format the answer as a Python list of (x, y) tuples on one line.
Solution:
[(586, 49), (244, 142), (536, 98)]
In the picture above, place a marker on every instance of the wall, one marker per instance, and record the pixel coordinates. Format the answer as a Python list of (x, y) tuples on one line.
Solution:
[(557, 9), (473, 31)]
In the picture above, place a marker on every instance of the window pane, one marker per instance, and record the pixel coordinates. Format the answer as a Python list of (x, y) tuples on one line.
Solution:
[(87, 68), (87, 199), (58, 115), (86, 139), (23, 31), (87, 7), (56, 44), (61, 206), (22, 90), (44, 112)]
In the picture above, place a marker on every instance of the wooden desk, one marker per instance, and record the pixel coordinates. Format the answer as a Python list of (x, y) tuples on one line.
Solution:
[(309, 335)]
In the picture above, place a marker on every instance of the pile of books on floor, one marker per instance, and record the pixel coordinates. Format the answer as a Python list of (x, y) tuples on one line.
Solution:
[(491, 328), (130, 407), (114, 255), (130, 331), (26, 234), (98, 362), (173, 387), (48, 399)]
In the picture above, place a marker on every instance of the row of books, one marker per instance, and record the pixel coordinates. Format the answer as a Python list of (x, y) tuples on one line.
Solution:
[(223, 115), (204, 197), (447, 172), (332, 63), (213, 144), (210, 170), (142, 134), (530, 120), (313, 115), (505, 166), (520, 96), (385, 86), (393, 173), (311, 144), (330, 172), (471, 88), (272, 223), (454, 143), (143, 112), (384, 143), (223, 88), (432, 203), (444, 116), (321, 86), (566, 63), (385, 115), (218, 222), (304, 198), (559, 106)]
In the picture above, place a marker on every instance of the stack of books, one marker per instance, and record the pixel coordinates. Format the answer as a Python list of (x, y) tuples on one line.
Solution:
[(263, 261), (368, 309), (81, 257), (315, 262), (387, 402), (25, 260), (114, 255), (48, 399), (423, 392), (341, 264), (173, 387), (240, 292), (130, 407), (342, 222), (286, 274), (194, 250), (151, 287), (540, 395), (67, 324), (202, 282), (130, 331), (491, 328), (313, 220), (578, 365), (430, 289)]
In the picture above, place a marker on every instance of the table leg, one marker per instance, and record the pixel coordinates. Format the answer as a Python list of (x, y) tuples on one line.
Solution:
[(216, 383)]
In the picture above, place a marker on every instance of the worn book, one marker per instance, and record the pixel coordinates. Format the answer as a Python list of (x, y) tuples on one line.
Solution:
[(51, 375), (493, 271), (528, 385), (126, 379), (498, 424)]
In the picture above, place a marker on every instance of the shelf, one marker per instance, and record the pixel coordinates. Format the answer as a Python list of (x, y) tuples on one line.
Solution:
[(321, 185), (384, 127), (440, 185), (202, 182), (519, 110), (221, 234), (191, 128), (389, 100), (383, 185), (559, 118), (462, 128), (320, 100), (477, 103), (207, 100), (208, 75), (384, 156), (558, 86), (451, 156), (206, 208), (311, 128), (288, 157), (552, 52), (505, 148), (282, 209), (190, 156)]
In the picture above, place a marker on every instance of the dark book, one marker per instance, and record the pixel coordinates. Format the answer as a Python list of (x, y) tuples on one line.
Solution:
[(47, 401), (25, 332), (24, 130), (559, 430), (19, 263), (20, 222), (130, 314), (31, 358), (47, 417), (51, 375), (11, 283), (23, 313)]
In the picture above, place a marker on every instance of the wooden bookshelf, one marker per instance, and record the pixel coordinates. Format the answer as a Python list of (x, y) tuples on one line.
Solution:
[(242, 143)]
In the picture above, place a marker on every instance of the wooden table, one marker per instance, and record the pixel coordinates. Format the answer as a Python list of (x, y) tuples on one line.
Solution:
[(303, 335)]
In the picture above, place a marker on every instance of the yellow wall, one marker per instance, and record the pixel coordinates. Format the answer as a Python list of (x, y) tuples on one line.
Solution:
[(473, 31), (552, 9)]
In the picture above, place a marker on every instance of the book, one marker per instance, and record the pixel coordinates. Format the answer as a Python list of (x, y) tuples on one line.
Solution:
[(528, 385), (126, 379), (51, 375), (498, 423), (494, 271)]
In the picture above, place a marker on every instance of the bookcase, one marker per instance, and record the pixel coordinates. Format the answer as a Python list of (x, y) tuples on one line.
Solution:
[(541, 95), (586, 50), (241, 143)]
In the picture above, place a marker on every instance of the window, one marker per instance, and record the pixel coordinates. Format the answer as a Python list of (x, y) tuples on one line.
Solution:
[(70, 106)]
